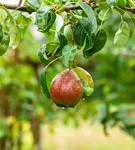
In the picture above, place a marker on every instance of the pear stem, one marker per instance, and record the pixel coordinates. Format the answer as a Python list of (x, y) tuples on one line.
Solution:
[(53, 61)]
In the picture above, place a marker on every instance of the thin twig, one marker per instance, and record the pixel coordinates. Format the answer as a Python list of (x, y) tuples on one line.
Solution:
[(20, 2), (15, 7), (128, 9), (74, 7)]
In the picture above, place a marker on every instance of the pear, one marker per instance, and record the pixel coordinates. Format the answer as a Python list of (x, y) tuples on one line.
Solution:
[(66, 89)]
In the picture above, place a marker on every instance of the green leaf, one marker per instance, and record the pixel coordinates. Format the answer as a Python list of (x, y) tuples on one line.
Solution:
[(101, 38), (51, 48), (68, 54), (13, 32), (63, 42), (42, 55), (111, 3), (62, 29), (11, 17), (130, 129), (131, 3), (45, 18), (91, 15), (22, 21), (122, 34), (50, 34), (59, 2), (14, 39), (121, 3), (43, 83), (87, 90), (89, 41), (47, 50), (62, 39), (1, 33), (33, 5), (4, 43), (3, 16), (105, 14), (88, 84), (81, 28), (49, 2)]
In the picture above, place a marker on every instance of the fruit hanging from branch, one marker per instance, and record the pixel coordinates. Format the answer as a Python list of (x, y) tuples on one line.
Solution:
[(70, 86), (66, 89), (82, 29)]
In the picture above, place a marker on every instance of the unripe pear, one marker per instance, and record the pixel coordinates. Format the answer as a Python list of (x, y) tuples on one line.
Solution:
[(66, 89), (68, 33)]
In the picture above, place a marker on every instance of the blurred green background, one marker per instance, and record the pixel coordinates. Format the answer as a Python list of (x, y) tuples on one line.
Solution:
[(104, 121)]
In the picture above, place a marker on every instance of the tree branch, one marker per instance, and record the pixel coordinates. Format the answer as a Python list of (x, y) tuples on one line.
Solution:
[(23, 8), (128, 9), (67, 8), (15, 7), (74, 7)]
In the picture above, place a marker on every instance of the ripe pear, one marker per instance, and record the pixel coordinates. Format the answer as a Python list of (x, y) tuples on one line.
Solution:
[(66, 89)]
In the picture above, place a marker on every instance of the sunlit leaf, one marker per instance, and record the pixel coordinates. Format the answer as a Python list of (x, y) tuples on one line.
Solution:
[(14, 39), (88, 84), (121, 3), (32, 5), (122, 34), (22, 21), (112, 3), (105, 14), (13, 32), (3, 16), (51, 48), (50, 34), (49, 2)]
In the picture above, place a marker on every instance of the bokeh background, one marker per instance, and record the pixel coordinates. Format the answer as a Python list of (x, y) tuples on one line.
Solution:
[(103, 121)]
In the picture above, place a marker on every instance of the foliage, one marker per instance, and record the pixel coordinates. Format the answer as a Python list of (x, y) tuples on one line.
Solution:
[(107, 24)]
